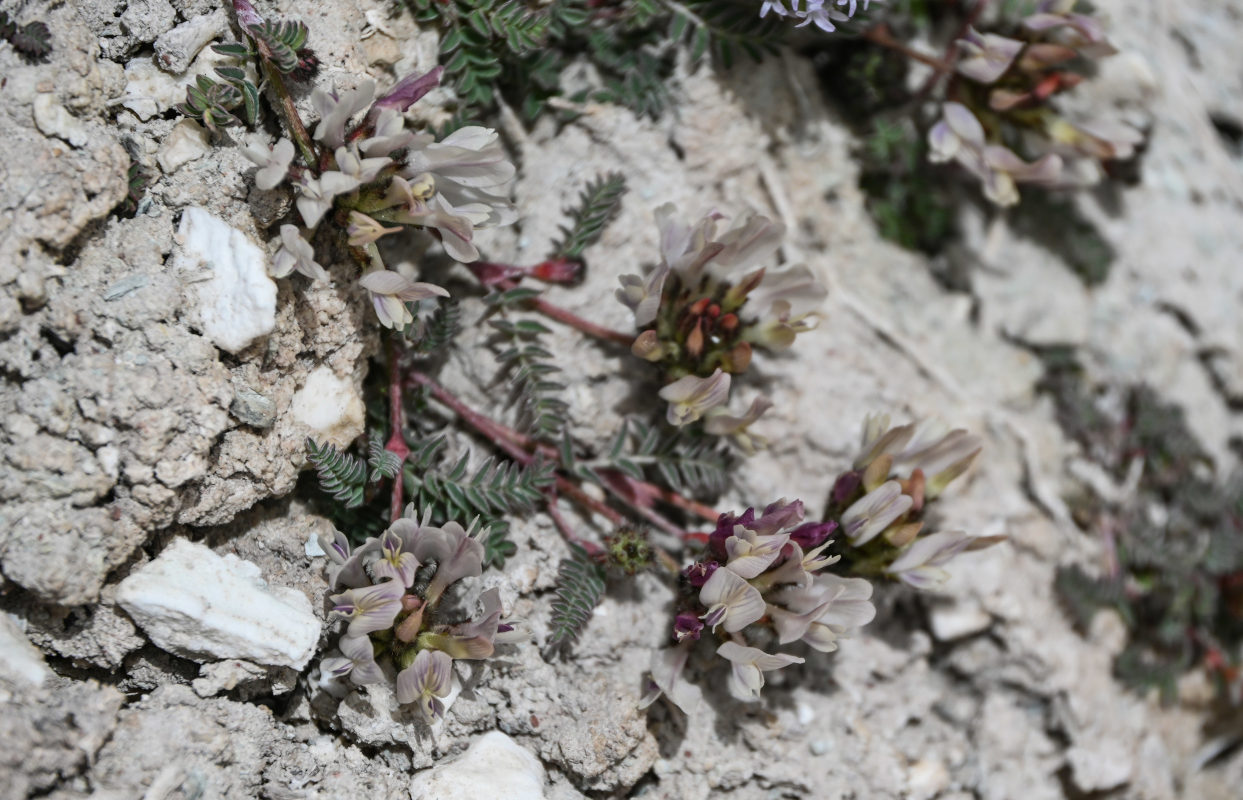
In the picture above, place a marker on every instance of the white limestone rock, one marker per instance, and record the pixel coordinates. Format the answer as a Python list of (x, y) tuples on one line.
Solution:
[(927, 778), (330, 407), (247, 679), (187, 141), (21, 663), (195, 603), (53, 119), (149, 91), (495, 766), (144, 20), (231, 292), (175, 49)]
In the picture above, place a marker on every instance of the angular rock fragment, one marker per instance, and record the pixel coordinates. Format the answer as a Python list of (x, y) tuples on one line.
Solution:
[(494, 766), (234, 297), (197, 604)]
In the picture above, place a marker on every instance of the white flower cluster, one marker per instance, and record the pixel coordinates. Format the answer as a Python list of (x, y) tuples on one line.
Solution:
[(1017, 110), (765, 578), (705, 306), (378, 595), (454, 186)]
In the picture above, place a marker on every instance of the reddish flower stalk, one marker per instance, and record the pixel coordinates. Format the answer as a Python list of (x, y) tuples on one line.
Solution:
[(526, 450), (880, 35), (397, 439), (574, 321), (500, 276)]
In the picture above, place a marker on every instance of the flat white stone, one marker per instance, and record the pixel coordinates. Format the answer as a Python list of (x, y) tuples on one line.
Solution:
[(187, 141), (236, 300), (197, 604), (20, 661), (53, 119), (312, 548), (329, 406), (494, 767)]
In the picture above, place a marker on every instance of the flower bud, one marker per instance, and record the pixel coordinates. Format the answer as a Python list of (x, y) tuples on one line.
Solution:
[(648, 347)]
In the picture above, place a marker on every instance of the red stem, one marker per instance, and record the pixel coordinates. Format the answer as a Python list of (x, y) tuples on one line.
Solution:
[(524, 450), (567, 532), (573, 320), (568, 317), (397, 438), (880, 35), (497, 430), (685, 503), (504, 438)]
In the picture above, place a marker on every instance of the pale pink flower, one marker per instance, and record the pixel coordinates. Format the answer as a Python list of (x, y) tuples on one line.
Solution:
[(296, 253), (749, 664), (722, 423), (390, 291), (369, 609), (357, 660), (986, 56), (690, 396), (336, 109), (428, 679), (731, 601), (874, 512), (273, 163)]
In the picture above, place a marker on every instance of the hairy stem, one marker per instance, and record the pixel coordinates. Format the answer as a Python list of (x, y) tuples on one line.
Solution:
[(951, 52), (290, 112), (517, 439), (558, 519)]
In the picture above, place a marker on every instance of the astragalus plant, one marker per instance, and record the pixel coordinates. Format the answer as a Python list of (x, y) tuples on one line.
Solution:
[(358, 173), (774, 580), (394, 594)]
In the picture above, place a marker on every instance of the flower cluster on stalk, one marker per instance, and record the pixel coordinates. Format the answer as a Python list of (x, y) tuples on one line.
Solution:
[(881, 501), (705, 307), (773, 579), (1000, 123), (762, 584), (370, 177), (391, 592)]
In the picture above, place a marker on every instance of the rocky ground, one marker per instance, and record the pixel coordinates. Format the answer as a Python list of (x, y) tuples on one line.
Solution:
[(155, 408)]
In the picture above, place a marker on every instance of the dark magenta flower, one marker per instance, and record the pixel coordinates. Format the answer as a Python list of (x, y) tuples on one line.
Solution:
[(697, 574), (687, 626), (725, 529), (846, 486), (811, 535)]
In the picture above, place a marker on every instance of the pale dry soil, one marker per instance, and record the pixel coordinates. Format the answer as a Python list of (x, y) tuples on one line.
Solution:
[(126, 426)]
